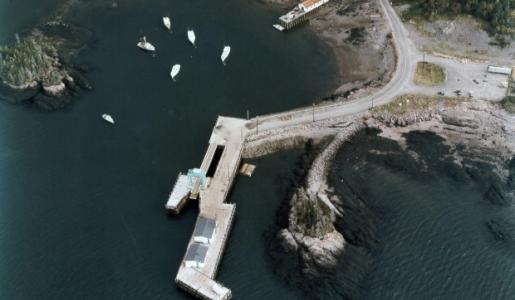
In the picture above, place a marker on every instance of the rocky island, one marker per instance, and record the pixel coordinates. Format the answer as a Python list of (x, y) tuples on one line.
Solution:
[(40, 68)]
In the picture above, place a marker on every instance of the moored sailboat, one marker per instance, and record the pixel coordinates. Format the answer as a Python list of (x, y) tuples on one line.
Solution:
[(191, 36), (167, 23), (225, 53), (175, 71), (108, 118), (143, 44)]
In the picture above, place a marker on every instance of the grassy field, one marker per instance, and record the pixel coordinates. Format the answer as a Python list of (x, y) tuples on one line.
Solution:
[(411, 102), (429, 74)]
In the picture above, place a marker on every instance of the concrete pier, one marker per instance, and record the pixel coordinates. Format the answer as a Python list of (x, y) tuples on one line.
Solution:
[(211, 184)]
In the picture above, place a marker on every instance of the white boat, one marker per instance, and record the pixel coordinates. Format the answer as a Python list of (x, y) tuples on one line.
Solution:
[(278, 27), (191, 37), (143, 44), (175, 70), (167, 23), (225, 53), (108, 118)]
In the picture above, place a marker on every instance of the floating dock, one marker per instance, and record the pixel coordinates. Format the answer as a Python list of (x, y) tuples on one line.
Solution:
[(179, 195), (210, 184), (299, 14)]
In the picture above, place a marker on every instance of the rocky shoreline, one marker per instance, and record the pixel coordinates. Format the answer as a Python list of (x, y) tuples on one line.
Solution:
[(40, 69), (479, 135), (358, 34)]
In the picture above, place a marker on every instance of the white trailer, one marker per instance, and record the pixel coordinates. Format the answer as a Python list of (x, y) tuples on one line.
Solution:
[(499, 70)]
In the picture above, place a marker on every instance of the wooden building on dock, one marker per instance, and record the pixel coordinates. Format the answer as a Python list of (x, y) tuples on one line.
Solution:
[(300, 13)]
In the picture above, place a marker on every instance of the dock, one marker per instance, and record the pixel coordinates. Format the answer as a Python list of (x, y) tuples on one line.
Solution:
[(299, 14), (210, 185)]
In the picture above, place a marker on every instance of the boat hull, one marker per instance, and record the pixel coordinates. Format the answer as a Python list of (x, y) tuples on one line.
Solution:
[(175, 71), (191, 37), (167, 23), (146, 46), (108, 118), (225, 54)]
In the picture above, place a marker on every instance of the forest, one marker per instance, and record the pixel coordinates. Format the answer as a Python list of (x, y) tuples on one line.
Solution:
[(28, 60), (497, 14)]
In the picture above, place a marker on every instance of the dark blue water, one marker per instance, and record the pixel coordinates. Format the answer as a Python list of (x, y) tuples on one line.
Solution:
[(82, 203)]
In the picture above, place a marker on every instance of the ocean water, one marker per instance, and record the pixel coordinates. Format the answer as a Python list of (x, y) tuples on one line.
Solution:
[(420, 229), (82, 202)]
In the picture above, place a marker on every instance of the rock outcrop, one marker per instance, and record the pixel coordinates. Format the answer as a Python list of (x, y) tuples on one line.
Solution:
[(316, 254), (452, 117), (311, 234), (38, 68)]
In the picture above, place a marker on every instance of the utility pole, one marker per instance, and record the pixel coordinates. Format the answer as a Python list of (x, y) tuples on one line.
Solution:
[(313, 112), (247, 114)]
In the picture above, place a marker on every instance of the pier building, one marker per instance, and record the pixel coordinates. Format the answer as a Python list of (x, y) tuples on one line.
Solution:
[(299, 14)]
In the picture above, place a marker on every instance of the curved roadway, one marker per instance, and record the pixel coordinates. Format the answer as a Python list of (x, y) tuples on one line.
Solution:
[(405, 66)]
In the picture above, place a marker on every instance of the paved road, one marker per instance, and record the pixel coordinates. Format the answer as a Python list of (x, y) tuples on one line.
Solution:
[(407, 56)]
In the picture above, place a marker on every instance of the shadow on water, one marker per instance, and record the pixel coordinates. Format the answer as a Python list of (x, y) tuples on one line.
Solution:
[(412, 215)]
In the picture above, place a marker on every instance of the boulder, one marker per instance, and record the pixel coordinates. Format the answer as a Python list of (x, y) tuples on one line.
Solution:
[(461, 120), (55, 90)]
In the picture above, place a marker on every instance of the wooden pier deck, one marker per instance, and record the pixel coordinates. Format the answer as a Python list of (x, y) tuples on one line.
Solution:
[(198, 275)]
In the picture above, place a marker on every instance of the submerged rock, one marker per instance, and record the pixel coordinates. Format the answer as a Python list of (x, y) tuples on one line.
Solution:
[(500, 230), (496, 195)]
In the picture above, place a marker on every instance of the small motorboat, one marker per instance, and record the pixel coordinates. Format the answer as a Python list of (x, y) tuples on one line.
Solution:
[(225, 53), (108, 118), (143, 44), (175, 71), (191, 36), (167, 23)]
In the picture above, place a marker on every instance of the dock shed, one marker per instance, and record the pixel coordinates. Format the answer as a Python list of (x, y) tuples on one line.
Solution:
[(204, 230), (196, 255)]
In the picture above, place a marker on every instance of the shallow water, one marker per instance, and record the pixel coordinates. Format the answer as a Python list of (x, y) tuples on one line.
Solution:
[(82, 203)]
